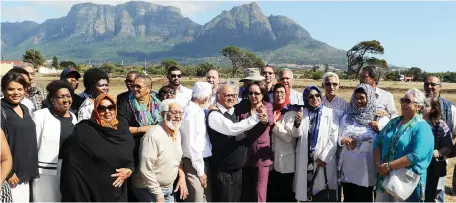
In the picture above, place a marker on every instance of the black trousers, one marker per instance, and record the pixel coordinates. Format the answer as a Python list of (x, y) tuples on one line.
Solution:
[(280, 187), (227, 186), (356, 193)]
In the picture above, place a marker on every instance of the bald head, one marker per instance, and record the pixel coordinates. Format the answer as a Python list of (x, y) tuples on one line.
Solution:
[(227, 95), (432, 86), (212, 77)]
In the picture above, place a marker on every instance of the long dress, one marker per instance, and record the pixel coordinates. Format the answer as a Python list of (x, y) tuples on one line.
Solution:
[(90, 157)]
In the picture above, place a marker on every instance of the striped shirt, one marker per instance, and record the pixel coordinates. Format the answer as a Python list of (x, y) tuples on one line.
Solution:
[(338, 104)]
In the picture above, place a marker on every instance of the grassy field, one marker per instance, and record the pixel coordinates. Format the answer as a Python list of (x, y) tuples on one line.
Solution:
[(396, 88)]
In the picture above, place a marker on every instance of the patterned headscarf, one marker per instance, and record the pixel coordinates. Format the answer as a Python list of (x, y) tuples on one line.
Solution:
[(95, 116), (315, 117), (363, 115)]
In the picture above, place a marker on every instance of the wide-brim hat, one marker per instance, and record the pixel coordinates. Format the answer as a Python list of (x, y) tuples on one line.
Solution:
[(252, 74)]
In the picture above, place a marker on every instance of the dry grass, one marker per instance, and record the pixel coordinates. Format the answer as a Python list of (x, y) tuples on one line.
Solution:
[(396, 88)]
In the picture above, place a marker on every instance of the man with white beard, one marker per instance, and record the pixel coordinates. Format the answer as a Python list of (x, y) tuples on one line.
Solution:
[(196, 145), (160, 155)]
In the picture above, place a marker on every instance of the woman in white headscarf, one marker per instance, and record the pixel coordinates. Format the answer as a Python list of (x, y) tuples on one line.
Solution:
[(356, 136)]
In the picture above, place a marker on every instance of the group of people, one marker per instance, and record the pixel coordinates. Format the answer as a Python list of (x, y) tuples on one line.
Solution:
[(217, 142)]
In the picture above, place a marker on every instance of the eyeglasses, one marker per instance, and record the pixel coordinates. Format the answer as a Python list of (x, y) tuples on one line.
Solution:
[(255, 93), (168, 92), (138, 87), (279, 93), (102, 108), (426, 84), (268, 73), (314, 96), (406, 101), (175, 75), (230, 95), (328, 84), (175, 112)]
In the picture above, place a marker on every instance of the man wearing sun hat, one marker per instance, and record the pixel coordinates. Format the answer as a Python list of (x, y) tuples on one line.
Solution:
[(196, 145), (250, 75)]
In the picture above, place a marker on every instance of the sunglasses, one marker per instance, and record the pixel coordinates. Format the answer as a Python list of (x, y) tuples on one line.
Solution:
[(255, 93), (268, 73), (426, 84), (314, 96), (175, 75), (328, 84), (406, 101), (102, 108)]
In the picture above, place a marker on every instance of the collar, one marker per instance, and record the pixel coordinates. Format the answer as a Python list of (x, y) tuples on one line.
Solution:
[(333, 100), (223, 109), (378, 92)]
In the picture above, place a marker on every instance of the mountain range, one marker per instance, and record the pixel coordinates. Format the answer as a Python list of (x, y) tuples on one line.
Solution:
[(135, 31)]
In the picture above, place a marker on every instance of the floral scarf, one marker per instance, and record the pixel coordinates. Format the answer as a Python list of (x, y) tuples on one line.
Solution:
[(145, 115), (315, 117), (365, 115)]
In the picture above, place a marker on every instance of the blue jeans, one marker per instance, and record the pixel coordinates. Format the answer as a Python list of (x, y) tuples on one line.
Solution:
[(144, 195)]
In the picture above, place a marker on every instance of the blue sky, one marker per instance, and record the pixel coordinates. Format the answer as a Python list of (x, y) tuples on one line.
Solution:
[(421, 34)]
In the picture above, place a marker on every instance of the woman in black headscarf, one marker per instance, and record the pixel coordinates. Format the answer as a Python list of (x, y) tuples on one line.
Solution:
[(98, 157)]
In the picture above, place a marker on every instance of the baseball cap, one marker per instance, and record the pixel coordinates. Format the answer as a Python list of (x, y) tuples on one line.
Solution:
[(67, 71)]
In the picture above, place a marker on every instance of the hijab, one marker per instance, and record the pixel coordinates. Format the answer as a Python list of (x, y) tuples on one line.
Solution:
[(363, 115), (314, 115), (96, 116), (279, 107)]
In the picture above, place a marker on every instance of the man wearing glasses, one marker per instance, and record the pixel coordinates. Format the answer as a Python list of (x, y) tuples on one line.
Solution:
[(122, 97), (269, 76), (183, 94), (331, 85), (286, 77), (432, 87)]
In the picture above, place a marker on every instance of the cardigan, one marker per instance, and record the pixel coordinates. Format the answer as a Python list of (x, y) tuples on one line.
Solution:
[(48, 138)]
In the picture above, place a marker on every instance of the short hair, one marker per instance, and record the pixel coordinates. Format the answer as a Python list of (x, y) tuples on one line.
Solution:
[(213, 69), (263, 89), (267, 65), (374, 72), (164, 105), (285, 70), (425, 78), (92, 76), (329, 75), (232, 84), (166, 89), (55, 85), (173, 68), (134, 72), (25, 64), (277, 86), (13, 77), (419, 96), (20, 71), (147, 80)]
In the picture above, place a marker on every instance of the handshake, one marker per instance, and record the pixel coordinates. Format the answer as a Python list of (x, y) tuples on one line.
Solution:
[(262, 114)]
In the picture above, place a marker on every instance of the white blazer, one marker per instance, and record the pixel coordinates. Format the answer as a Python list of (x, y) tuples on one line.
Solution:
[(284, 136), (48, 137), (325, 150)]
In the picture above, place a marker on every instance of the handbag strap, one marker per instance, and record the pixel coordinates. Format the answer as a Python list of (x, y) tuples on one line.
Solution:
[(326, 178)]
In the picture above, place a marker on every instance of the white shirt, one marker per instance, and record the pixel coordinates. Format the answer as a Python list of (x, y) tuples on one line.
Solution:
[(225, 126), (195, 141), (339, 105), (385, 101), (29, 104), (184, 95), (295, 97), (358, 166)]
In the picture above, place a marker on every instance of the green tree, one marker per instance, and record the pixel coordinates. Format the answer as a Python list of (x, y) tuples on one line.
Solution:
[(379, 62), (167, 63), (34, 57), (203, 68), (358, 54), (235, 55), (108, 67), (250, 60), (67, 64), (55, 62)]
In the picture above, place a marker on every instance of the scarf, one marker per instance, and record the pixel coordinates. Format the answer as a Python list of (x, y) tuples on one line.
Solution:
[(363, 115), (314, 116), (281, 107), (145, 115), (95, 116)]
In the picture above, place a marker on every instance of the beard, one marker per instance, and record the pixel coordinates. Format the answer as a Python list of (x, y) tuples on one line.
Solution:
[(171, 125)]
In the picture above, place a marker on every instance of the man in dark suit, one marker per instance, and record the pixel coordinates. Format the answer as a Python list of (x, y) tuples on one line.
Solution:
[(123, 97)]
